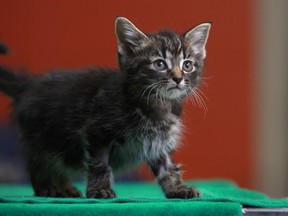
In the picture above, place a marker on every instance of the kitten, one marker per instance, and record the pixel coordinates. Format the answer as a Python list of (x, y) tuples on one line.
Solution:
[(103, 120)]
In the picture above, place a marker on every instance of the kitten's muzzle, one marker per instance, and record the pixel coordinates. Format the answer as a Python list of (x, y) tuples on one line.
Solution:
[(177, 76)]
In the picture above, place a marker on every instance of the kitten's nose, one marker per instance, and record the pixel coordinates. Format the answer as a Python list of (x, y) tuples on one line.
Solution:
[(177, 80)]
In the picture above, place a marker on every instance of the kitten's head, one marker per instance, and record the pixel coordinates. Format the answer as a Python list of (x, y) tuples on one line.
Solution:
[(165, 64)]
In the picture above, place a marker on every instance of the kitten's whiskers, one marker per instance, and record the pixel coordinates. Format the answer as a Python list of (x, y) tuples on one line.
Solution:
[(148, 96), (163, 92), (197, 97), (145, 90), (158, 92)]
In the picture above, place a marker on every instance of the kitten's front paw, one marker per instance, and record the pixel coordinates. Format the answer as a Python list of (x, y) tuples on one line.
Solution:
[(101, 193), (183, 192)]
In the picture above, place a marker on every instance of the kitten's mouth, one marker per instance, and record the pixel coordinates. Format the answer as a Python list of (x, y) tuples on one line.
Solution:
[(177, 88), (175, 92)]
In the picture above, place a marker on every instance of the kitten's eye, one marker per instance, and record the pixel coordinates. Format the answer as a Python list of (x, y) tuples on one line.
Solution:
[(188, 66), (160, 65)]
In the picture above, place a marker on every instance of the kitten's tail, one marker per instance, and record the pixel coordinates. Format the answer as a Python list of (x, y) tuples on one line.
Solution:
[(11, 84), (3, 49)]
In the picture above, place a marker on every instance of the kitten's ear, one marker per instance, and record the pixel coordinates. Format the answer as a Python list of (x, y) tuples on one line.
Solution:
[(128, 36), (198, 37)]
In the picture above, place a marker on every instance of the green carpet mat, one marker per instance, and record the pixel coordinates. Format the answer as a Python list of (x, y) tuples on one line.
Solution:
[(219, 198)]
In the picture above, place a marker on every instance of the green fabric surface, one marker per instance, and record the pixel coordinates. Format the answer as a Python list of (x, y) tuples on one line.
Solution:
[(219, 197)]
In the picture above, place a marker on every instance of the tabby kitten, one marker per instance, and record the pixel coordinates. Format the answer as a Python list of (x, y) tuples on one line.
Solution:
[(103, 120)]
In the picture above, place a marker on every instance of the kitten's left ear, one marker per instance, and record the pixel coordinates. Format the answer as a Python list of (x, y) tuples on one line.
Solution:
[(198, 37), (128, 36)]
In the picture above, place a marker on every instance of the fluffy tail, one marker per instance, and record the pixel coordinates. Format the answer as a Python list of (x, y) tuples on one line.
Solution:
[(11, 84)]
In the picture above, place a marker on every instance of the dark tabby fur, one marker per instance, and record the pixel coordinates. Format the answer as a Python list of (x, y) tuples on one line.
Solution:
[(103, 120)]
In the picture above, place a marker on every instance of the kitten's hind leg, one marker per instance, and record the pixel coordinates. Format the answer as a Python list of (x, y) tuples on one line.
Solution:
[(49, 182)]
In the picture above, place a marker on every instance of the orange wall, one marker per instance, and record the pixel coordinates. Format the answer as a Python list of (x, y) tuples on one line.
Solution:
[(49, 33)]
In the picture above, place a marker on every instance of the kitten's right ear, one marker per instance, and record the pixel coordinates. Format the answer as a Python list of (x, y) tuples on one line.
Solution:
[(198, 38), (129, 37)]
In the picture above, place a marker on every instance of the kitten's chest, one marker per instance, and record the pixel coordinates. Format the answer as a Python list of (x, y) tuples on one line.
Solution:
[(147, 141)]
